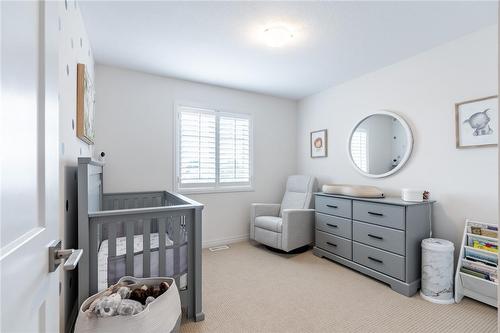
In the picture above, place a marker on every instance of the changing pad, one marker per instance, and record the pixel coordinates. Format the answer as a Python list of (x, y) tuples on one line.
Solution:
[(361, 191)]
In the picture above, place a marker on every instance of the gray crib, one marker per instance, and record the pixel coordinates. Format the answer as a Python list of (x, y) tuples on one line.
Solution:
[(140, 234)]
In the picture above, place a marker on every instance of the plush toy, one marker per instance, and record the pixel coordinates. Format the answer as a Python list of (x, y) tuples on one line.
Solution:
[(129, 307), (163, 287), (108, 305), (150, 299), (139, 294), (124, 292)]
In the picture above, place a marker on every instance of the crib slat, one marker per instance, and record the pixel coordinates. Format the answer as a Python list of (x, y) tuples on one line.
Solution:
[(176, 237), (129, 230), (161, 246), (112, 240), (93, 247), (146, 247)]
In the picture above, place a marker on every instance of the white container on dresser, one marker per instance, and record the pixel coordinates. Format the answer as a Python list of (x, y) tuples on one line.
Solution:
[(378, 237)]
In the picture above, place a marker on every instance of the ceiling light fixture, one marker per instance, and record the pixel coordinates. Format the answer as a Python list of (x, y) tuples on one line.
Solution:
[(277, 36)]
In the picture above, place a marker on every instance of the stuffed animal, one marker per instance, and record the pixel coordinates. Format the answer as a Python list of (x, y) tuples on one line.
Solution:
[(139, 294), (164, 287), (124, 292), (150, 299), (129, 307), (108, 305)]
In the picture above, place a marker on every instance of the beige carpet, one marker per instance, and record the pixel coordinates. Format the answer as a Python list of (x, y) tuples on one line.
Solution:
[(249, 288)]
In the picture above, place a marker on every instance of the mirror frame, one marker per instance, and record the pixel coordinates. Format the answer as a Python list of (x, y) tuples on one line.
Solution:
[(406, 156)]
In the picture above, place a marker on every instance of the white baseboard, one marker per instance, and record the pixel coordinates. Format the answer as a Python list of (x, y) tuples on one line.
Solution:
[(223, 241)]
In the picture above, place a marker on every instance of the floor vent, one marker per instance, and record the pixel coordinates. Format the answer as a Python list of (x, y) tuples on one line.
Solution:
[(218, 248)]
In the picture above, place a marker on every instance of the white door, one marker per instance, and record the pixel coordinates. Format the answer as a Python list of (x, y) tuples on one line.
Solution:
[(29, 166)]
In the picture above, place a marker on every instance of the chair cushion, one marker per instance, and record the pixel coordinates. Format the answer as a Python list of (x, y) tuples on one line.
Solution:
[(272, 223), (298, 193)]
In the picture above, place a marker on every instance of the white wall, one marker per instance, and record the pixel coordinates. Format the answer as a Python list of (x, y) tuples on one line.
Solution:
[(74, 47), (134, 126), (423, 89)]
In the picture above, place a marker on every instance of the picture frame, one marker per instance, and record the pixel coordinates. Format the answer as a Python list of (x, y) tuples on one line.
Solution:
[(476, 123), (85, 102), (319, 143)]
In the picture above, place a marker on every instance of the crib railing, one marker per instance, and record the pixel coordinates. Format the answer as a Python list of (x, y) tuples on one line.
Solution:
[(177, 252)]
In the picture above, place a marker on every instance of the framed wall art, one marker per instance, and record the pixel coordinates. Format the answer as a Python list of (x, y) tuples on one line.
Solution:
[(476, 123), (84, 105), (319, 143)]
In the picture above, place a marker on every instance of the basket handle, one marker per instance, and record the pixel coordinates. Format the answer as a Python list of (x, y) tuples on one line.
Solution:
[(129, 279)]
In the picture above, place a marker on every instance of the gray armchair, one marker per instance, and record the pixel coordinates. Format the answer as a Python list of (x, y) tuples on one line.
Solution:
[(289, 225)]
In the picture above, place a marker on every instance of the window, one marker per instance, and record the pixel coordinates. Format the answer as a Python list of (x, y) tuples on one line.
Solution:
[(213, 150), (359, 149)]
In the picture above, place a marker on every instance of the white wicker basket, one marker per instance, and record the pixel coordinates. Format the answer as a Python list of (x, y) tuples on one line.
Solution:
[(162, 315)]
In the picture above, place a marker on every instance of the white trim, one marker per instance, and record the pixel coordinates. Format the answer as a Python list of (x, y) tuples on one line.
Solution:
[(221, 189), (224, 241), (217, 187), (405, 158)]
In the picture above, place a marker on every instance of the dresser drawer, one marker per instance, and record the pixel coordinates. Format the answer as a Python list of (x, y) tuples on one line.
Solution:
[(334, 225), (336, 245), (334, 206), (379, 260), (381, 237), (379, 213)]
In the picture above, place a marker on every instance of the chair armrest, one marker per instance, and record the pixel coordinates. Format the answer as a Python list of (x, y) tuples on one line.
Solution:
[(261, 209), (298, 228)]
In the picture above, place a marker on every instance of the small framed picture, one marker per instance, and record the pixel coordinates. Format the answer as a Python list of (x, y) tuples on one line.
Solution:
[(476, 123), (319, 143)]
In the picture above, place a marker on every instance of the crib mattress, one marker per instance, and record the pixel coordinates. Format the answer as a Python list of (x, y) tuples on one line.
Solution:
[(121, 249)]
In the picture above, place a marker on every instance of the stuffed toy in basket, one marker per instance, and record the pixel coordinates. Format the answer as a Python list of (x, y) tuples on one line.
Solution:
[(145, 305)]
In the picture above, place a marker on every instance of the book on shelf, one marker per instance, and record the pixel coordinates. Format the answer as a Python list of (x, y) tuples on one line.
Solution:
[(478, 243), (482, 229), (490, 272), (481, 255), (476, 274)]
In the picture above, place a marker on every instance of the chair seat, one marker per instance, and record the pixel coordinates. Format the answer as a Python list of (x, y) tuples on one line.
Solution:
[(272, 223)]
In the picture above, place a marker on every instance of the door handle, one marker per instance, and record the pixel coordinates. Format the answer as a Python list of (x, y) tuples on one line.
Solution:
[(57, 255)]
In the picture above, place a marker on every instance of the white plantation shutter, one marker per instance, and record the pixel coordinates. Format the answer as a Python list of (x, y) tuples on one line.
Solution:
[(234, 150), (359, 149), (213, 150), (197, 154)]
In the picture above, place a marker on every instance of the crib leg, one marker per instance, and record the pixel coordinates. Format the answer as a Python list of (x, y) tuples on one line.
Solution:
[(199, 315)]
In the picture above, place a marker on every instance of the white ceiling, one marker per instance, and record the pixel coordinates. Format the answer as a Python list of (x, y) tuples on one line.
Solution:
[(215, 42)]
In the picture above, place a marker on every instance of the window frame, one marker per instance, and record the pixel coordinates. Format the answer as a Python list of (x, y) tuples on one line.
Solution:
[(217, 187)]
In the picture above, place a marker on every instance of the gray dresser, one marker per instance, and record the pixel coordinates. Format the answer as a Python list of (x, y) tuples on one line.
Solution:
[(378, 237)]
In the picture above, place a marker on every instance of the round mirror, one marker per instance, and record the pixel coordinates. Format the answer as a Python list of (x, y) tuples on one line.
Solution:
[(380, 144)]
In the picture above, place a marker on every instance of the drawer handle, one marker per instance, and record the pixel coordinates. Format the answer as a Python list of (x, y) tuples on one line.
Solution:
[(332, 206), (376, 237), (332, 225), (376, 214), (376, 260), (331, 244)]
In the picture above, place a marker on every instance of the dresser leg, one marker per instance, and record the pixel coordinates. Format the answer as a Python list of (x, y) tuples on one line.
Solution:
[(406, 289)]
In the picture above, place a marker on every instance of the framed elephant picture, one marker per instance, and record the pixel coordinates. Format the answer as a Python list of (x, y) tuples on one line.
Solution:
[(476, 123)]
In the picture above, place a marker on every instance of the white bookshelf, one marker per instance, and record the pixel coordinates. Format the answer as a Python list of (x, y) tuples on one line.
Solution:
[(469, 285)]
